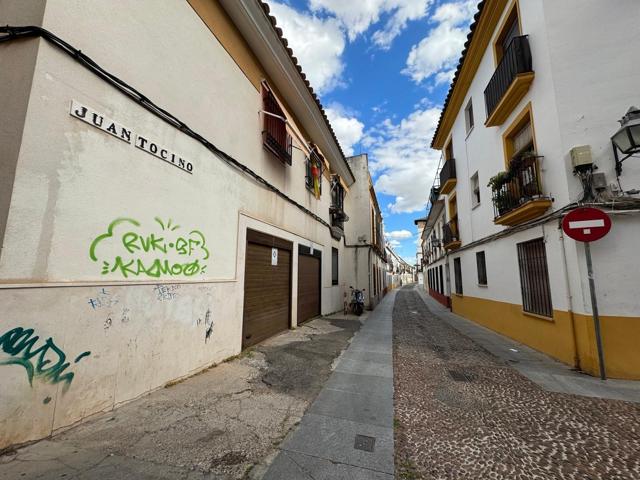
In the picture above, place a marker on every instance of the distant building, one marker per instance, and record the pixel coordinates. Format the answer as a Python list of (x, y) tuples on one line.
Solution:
[(364, 235), (525, 136)]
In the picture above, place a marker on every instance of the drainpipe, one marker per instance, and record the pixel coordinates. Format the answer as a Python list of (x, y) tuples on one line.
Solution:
[(576, 357)]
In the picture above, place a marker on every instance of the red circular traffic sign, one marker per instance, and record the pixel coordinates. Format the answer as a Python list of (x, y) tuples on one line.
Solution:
[(586, 224)]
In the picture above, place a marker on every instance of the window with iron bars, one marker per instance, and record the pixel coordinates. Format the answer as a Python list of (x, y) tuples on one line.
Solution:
[(315, 159), (275, 137), (534, 278), (337, 202)]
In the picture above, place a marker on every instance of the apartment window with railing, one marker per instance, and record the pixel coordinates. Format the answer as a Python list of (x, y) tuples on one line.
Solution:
[(314, 170), (534, 278), (336, 209), (457, 272), (275, 136)]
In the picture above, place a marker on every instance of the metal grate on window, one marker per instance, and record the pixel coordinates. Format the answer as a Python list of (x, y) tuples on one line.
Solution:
[(534, 278), (482, 268), (457, 270), (274, 134), (334, 266)]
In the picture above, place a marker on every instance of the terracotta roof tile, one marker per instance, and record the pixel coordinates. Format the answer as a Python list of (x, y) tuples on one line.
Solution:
[(285, 43), (472, 28)]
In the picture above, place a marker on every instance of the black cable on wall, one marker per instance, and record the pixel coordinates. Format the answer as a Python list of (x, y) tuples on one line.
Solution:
[(13, 33)]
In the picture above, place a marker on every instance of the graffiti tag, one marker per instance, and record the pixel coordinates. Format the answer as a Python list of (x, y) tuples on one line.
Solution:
[(166, 292), (46, 363), (163, 253), (103, 299)]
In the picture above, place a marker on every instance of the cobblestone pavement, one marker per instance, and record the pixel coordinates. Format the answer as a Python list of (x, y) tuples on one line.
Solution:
[(461, 413)]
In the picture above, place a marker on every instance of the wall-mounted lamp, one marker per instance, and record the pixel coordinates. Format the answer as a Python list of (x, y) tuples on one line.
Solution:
[(627, 138)]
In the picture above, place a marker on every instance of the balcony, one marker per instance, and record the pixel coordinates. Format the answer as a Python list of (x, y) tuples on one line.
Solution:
[(510, 82), (448, 176), (451, 235), (520, 197)]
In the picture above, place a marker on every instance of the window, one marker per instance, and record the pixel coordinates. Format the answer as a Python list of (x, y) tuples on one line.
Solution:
[(534, 278), (334, 266), (457, 269), (468, 116), (482, 268), (519, 138), (441, 280), (337, 203), (509, 29), (475, 190), (314, 169), (275, 137)]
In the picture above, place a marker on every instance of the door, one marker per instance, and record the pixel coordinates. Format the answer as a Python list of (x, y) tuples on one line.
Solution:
[(309, 268), (267, 287)]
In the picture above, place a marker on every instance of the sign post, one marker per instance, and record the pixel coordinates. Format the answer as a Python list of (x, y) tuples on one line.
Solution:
[(586, 224)]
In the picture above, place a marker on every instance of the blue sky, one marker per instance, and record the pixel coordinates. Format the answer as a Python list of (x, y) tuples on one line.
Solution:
[(382, 69)]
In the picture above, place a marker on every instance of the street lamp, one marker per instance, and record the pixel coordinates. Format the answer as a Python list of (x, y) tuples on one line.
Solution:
[(627, 138)]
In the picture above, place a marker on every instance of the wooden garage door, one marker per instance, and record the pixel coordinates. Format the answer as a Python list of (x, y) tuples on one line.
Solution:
[(308, 284), (267, 288)]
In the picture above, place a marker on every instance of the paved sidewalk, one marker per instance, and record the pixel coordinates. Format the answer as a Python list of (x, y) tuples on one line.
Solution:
[(222, 424), (348, 431), (541, 369), (464, 414)]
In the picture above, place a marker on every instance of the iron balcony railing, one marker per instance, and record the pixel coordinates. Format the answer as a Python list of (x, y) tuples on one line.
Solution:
[(516, 60), (448, 171), (450, 233), (522, 186)]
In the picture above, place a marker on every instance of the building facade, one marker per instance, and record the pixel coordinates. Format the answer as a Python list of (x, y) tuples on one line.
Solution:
[(364, 235), (525, 136), (172, 193)]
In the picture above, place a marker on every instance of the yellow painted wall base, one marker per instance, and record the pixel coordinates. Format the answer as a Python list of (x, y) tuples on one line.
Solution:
[(555, 336)]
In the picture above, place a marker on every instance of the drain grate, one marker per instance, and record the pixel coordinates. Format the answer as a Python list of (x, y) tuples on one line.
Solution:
[(461, 375), (364, 443)]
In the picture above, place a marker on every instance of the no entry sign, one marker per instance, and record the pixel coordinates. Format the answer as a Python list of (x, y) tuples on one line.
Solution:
[(586, 224)]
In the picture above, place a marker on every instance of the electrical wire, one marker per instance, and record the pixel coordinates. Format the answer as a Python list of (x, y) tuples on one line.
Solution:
[(13, 33)]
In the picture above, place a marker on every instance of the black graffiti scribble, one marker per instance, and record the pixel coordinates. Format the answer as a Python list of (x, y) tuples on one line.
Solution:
[(209, 324), (19, 343)]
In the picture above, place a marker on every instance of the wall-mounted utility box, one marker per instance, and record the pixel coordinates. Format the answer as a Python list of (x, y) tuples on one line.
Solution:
[(581, 158)]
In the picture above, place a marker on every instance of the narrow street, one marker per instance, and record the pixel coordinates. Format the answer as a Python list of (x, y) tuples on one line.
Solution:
[(462, 413), (405, 394)]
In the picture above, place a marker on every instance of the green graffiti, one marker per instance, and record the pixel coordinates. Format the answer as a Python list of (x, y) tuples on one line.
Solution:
[(19, 343), (127, 251)]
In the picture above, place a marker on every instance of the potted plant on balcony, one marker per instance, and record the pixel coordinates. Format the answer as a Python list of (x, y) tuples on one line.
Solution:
[(501, 197)]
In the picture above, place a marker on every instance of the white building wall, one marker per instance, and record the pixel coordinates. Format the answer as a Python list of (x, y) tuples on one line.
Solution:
[(584, 82), (72, 180)]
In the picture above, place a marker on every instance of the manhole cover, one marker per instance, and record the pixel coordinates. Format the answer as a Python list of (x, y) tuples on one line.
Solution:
[(460, 376), (364, 443)]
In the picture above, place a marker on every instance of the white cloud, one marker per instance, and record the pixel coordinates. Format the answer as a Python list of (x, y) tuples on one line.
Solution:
[(399, 234), (437, 54), (401, 159), (318, 43), (348, 128), (393, 243), (358, 16)]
